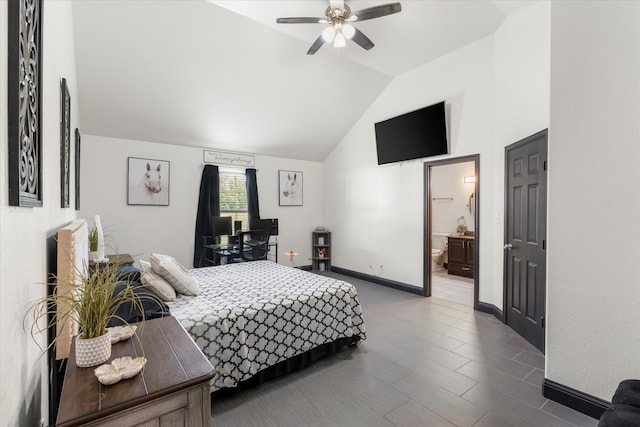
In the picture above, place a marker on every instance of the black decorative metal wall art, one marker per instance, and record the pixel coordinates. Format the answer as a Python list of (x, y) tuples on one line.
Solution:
[(65, 143), (77, 169), (25, 102)]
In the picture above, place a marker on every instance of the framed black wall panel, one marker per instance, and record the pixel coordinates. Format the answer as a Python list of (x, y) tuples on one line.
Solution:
[(77, 153), (65, 143), (24, 102)]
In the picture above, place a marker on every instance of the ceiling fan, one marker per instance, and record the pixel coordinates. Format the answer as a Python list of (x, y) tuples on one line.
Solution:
[(339, 15)]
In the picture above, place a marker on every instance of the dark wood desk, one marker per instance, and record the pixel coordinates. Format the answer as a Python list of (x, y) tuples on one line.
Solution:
[(172, 389), (223, 253)]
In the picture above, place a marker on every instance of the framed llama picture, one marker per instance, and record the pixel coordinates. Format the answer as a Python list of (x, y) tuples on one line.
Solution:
[(148, 182), (290, 188)]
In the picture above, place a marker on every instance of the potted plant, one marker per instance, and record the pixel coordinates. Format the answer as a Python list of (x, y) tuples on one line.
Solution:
[(93, 243), (91, 298), (462, 226)]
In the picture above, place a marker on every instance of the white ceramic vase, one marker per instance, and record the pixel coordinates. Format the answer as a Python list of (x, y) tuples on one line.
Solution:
[(93, 351)]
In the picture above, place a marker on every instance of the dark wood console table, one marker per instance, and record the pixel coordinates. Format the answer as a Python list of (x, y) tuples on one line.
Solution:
[(172, 389)]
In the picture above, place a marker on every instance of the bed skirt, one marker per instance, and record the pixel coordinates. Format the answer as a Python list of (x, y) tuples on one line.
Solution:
[(290, 365)]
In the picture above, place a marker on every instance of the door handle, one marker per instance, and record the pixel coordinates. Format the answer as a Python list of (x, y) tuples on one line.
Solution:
[(508, 246)]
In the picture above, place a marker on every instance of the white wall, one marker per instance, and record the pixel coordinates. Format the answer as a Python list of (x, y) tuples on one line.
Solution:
[(495, 95), (376, 212), (522, 109), (23, 396), (141, 230), (593, 291)]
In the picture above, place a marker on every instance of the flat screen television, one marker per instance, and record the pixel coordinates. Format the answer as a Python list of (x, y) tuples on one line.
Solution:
[(414, 135)]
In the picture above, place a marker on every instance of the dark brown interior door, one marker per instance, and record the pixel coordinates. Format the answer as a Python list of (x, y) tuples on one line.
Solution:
[(525, 237)]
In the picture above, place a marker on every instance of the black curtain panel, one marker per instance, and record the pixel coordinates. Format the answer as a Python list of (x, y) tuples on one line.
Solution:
[(208, 207), (253, 207)]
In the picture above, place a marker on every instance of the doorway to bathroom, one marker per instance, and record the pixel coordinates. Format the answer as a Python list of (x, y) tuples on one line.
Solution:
[(451, 227)]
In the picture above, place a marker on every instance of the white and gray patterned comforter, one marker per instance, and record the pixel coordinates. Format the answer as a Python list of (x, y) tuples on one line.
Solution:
[(252, 315)]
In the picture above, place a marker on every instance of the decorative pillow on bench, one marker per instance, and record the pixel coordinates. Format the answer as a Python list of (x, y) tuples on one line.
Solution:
[(173, 272)]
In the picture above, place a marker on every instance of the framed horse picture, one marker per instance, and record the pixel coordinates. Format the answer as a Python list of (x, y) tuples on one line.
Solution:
[(148, 182), (290, 188)]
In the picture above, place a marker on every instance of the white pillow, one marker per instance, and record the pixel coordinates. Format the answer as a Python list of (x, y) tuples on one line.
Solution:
[(158, 286), (145, 266), (173, 272)]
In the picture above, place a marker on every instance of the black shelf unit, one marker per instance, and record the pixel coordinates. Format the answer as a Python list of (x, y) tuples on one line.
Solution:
[(320, 251)]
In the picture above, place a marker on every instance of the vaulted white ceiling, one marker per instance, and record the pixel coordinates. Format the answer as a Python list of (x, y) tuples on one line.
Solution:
[(224, 75)]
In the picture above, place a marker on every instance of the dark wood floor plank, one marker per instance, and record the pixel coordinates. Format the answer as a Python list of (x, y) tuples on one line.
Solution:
[(449, 406), (508, 411), (501, 364), (413, 414), (517, 389)]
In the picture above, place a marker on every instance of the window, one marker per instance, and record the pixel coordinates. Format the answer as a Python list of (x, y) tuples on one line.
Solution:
[(233, 196)]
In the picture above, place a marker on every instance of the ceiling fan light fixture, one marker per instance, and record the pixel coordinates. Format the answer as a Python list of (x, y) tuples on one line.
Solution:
[(348, 31), (328, 34), (339, 17)]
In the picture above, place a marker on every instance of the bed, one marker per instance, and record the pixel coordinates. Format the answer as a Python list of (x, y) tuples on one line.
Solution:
[(253, 320), (261, 319)]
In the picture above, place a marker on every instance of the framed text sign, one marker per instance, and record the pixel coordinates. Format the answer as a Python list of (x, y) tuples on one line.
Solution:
[(232, 159)]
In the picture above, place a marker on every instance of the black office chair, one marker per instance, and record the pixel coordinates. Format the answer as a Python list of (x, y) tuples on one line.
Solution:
[(220, 226), (254, 245)]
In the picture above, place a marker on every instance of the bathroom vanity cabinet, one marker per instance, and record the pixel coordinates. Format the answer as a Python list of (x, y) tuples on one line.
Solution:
[(461, 255)]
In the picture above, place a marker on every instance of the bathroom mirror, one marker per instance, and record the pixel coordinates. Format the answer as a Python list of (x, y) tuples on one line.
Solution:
[(472, 204)]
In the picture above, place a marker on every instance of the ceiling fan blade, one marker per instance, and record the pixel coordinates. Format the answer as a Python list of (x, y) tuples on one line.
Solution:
[(377, 11), (301, 20), (362, 40), (316, 45)]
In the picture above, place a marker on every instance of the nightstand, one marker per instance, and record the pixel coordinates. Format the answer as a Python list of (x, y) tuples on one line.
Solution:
[(120, 259), (172, 389)]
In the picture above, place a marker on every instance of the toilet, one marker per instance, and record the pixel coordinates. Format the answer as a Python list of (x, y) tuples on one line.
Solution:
[(436, 259), (438, 248)]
